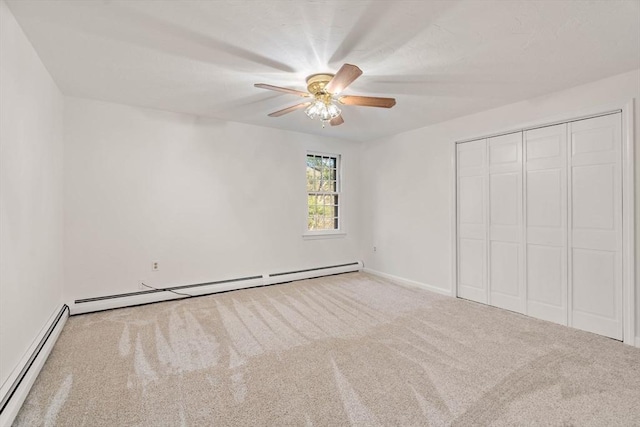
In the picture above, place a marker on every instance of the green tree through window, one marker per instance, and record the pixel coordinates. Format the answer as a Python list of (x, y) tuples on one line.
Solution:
[(323, 192)]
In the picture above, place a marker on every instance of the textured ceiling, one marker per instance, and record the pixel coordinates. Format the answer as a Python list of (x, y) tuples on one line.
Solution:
[(439, 59)]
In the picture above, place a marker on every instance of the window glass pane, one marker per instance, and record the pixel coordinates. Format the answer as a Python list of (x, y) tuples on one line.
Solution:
[(312, 164), (323, 224), (310, 181), (316, 179), (328, 220)]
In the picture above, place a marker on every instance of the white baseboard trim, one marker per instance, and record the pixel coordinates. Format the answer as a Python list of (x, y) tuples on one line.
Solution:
[(408, 282), (167, 294), (16, 388), (131, 300)]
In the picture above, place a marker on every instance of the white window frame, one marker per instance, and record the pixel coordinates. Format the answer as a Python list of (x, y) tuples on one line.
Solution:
[(334, 233)]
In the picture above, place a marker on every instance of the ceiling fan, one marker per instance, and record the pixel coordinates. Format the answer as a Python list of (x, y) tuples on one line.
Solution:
[(323, 91)]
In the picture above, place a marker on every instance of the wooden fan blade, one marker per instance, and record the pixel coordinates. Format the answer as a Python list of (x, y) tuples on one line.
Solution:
[(367, 101), (336, 121), (282, 89), (289, 109), (343, 78)]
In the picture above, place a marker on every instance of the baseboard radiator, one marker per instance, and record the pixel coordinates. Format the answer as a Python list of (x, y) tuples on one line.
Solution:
[(88, 305), (17, 386)]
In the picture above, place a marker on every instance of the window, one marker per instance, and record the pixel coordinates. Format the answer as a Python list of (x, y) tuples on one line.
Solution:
[(323, 192)]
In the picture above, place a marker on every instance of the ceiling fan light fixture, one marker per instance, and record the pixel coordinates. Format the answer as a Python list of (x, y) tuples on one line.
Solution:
[(324, 110), (333, 110), (313, 110)]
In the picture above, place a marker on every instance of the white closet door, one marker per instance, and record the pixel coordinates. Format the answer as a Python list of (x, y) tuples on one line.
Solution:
[(546, 222), (506, 259), (472, 231), (595, 218)]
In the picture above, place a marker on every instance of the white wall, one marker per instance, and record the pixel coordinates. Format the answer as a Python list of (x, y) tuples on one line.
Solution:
[(407, 199), (31, 115), (208, 199)]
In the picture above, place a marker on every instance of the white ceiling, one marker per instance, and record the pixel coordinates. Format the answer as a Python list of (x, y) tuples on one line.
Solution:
[(439, 59)]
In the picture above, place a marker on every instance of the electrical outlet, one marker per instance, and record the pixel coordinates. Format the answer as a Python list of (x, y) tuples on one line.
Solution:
[(155, 265), (375, 249)]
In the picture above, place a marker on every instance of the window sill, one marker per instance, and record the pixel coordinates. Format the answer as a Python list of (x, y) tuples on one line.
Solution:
[(311, 235)]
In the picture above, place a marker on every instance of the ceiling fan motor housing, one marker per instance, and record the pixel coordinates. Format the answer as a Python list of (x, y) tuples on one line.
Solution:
[(317, 82)]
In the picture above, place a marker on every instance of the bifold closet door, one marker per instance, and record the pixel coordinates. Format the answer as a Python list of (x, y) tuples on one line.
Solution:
[(595, 224), (539, 223), (472, 230), (546, 222), (506, 258)]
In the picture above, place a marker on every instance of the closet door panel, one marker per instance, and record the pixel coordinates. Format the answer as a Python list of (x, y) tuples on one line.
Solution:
[(505, 197), (546, 281), (506, 266), (594, 277), (505, 269), (471, 270), (471, 207), (545, 197), (593, 197), (471, 220), (596, 225), (546, 222)]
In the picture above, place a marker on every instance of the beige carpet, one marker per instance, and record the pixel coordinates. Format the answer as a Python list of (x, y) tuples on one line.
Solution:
[(348, 349)]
